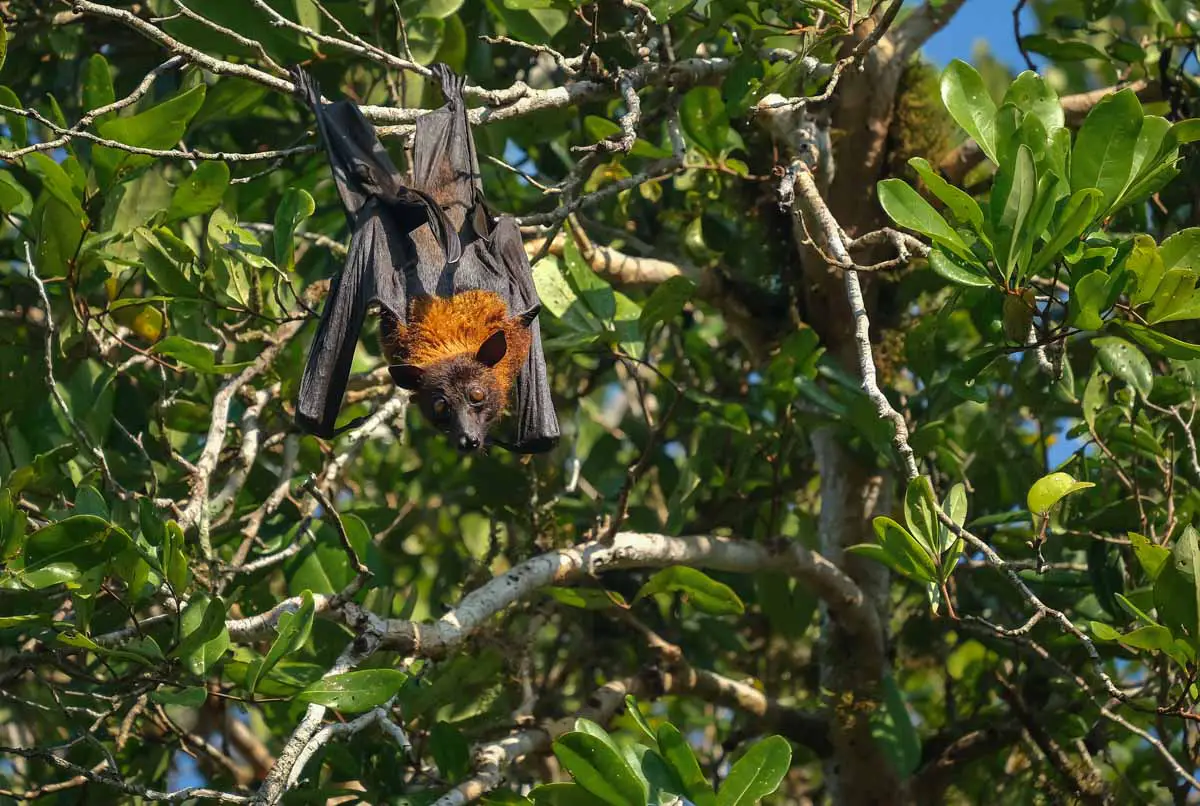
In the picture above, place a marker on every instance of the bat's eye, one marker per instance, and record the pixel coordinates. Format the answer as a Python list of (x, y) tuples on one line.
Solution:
[(440, 408), (476, 394)]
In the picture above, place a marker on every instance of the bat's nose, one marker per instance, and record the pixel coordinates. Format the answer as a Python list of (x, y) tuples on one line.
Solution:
[(467, 442)]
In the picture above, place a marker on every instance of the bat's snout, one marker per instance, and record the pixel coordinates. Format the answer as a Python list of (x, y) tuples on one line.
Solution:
[(467, 443)]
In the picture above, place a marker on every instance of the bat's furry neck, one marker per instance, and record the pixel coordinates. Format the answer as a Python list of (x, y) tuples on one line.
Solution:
[(444, 328)]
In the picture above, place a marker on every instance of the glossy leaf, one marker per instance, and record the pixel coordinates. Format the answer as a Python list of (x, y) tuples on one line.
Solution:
[(1012, 198), (957, 271), (201, 192), (293, 632), (1076, 215), (1031, 93), (704, 592), (204, 636), (600, 769), (679, 755), (1049, 490), (892, 729), (1150, 556), (908, 209), (961, 205), (1103, 154), (968, 101), (356, 691), (1126, 362), (920, 513), (297, 205), (756, 774)]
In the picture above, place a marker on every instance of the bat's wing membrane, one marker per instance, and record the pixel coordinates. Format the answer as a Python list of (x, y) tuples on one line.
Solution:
[(436, 237), (381, 212)]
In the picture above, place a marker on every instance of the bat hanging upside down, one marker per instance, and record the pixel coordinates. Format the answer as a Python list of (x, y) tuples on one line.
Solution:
[(460, 356), (458, 307)]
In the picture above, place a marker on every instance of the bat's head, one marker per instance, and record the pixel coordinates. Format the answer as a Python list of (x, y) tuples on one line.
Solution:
[(462, 396)]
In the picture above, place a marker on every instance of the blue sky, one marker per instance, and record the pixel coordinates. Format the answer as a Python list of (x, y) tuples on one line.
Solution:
[(988, 20)]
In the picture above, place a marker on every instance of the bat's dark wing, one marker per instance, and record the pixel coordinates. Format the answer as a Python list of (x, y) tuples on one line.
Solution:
[(381, 212), (536, 422), (446, 167)]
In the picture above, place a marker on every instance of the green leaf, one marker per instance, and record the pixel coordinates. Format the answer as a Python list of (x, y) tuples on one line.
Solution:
[(1155, 144), (1126, 362), (1186, 131), (1089, 300), (1161, 343), (439, 9), (294, 629), (191, 697), (968, 101), (892, 729), (907, 555), (352, 692), (704, 119), (1049, 490), (664, 10), (1175, 298), (1012, 198), (97, 84), (1145, 263), (160, 127), (174, 561), (1030, 93), (635, 713), (1155, 637), (1133, 609), (1069, 224), (1182, 250), (88, 501), (1176, 594), (1150, 557), (1063, 50), (201, 192), (682, 760), (666, 302), (296, 206), (599, 768), (920, 513), (196, 356), (450, 751), (65, 550), (205, 638), (908, 209), (958, 271), (161, 266), (1103, 154), (964, 208), (18, 126), (586, 598), (756, 774), (1103, 632), (704, 592), (564, 794), (595, 295)]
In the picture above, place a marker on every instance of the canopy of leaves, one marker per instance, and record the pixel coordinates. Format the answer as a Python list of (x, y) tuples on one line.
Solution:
[(194, 593)]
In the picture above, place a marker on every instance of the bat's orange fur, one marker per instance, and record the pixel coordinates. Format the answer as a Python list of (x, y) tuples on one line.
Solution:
[(446, 327)]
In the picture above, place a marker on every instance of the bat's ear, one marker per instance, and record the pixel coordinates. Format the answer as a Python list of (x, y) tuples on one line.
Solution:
[(492, 351), (526, 318), (406, 376)]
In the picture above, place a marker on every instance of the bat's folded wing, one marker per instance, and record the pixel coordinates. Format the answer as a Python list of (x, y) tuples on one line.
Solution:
[(327, 371), (381, 212), (533, 407)]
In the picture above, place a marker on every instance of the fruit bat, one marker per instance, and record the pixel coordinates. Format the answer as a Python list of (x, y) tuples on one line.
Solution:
[(458, 307)]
